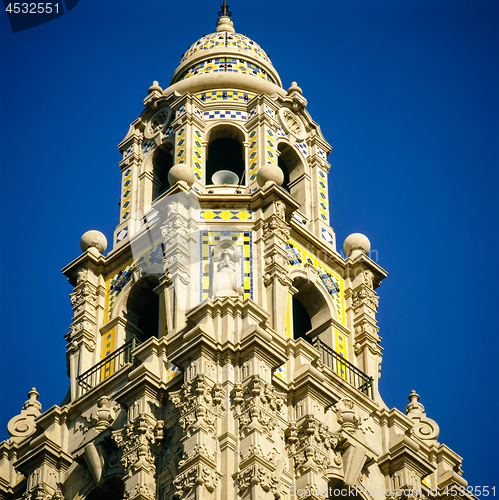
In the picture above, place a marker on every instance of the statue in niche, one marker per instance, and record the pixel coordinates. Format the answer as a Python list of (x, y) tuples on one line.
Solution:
[(226, 274)]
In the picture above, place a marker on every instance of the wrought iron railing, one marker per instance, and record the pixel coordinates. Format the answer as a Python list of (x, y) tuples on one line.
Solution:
[(344, 369), (105, 368)]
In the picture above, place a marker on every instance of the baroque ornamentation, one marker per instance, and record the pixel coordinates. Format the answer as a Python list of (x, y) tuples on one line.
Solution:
[(365, 296), (200, 403), (312, 445), (257, 474), (105, 413), (256, 405), (200, 475), (140, 440)]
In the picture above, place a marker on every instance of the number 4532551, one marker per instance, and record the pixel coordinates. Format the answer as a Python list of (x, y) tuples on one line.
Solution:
[(32, 8)]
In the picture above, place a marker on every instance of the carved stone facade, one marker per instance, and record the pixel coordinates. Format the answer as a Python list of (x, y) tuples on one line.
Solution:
[(223, 348)]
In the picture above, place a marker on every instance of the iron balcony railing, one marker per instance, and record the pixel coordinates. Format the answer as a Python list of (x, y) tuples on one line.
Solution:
[(344, 369), (105, 368)]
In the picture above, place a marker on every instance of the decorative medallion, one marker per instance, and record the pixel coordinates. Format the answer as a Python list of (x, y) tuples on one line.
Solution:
[(292, 124), (157, 123)]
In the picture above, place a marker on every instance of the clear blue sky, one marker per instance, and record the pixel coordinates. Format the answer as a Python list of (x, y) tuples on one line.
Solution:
[(404, 90)]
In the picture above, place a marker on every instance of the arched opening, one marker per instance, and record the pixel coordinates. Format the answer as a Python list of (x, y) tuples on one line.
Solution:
[(162, 162), (285, 170), (112, 489), (225, 152), (301, 321), (311, 312), (142, 308), (292, 166)]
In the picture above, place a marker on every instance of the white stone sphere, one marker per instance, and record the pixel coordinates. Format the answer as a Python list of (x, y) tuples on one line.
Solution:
[(355, 244), (269, 173), (93, 239), (181, 172)]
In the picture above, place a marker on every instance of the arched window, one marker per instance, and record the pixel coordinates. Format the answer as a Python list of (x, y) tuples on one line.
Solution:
[(292, 166), (311, 312), (162, 162), (142, 308), (225, 152)]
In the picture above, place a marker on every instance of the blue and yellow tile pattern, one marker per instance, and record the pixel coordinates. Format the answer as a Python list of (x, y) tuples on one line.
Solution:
[(126, 191), (253, 155), (180, 146), (225, 95), (228, 65), (198, 154), (225, 39), (226, 215), (270, 146), (281, 372), (323, 196)]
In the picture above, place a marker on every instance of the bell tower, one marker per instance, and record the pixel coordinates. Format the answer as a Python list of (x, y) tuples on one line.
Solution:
[(224, 348)]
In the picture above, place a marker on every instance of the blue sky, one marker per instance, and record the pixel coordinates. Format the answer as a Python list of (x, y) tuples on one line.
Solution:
[(404, 91)]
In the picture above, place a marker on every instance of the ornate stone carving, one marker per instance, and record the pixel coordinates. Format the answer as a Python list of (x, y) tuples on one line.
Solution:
[(24, 424), (157, 123), (256, 405), (346, 415), (424, 427), (257, 474), (200, 404), (141, 491), (312, 445), (105, 413), (199, 475), (292, 123), (365, 296), (139, 441)]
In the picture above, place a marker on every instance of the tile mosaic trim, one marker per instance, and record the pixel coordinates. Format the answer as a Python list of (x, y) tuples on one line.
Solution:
[(108, 347), (216, 114), (302, 146), (269, 110), (280, 132), (299, 219), (171, 370), (340, 347), (287, 328), (281, 373), (270, 146), (323, 196), (126, 191), (198, 154), (180, 111), (229, 65), (122, 234), (180, 146), (147, 146), (225, 39), (253, 155), (332, 281), (225, 95), (244, 240), (327, 236), (226, 215)]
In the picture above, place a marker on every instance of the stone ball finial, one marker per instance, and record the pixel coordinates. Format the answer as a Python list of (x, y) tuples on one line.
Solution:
[(356, 244), (269, 173), (93, 239), (154, 86), (294, 88), (225, 23), (181, 172)]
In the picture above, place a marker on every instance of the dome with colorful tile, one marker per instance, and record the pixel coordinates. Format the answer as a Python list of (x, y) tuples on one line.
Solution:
[(226, 51)]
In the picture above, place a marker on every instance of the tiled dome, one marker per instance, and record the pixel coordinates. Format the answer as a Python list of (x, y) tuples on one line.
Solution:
[(226, 52)]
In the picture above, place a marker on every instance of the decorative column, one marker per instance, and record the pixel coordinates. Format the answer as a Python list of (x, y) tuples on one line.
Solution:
[(139, 441), (257, 405), (276, 273), (200, 405)]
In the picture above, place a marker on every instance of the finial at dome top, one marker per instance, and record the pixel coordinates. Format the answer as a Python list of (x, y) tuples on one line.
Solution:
[(224, 22), (225, 12)]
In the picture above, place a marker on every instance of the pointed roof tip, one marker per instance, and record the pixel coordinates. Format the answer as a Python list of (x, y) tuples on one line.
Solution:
[(224, 22)]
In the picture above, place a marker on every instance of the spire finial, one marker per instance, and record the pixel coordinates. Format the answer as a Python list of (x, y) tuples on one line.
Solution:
[(225, 10)]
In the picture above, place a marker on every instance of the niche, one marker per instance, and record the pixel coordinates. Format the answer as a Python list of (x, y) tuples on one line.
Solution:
[(225, 152)]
